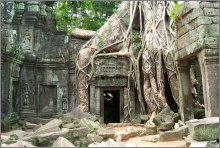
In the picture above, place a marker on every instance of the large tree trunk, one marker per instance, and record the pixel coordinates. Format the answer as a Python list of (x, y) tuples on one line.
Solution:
[(157, 56)]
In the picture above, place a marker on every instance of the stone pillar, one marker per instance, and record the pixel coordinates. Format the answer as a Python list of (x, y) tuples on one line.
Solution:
[(186, 108), (92, 99), (209, 64)]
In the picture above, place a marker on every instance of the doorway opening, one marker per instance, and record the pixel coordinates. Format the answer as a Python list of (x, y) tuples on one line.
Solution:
[(111, 106)]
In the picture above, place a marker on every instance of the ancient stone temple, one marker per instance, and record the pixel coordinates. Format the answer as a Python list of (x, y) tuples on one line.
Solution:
[(198, 41), (37, 67)]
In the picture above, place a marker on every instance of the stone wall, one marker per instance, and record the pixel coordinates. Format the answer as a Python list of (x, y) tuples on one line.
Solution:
[(37, 62), (198, 38)]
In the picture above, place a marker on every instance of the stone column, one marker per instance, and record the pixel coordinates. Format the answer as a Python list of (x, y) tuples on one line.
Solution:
[(185, 100), (92, 99), (209, 64)]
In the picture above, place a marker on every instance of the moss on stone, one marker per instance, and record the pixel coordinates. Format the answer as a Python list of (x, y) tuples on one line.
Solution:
[(206, 133)]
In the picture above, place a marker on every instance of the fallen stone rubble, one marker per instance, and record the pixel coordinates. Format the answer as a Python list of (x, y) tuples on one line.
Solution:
[(84, 130)]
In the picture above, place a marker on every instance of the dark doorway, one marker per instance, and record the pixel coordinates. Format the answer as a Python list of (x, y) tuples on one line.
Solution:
[(111, 106)]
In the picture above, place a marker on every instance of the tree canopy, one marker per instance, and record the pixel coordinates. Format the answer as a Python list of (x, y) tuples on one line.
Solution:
[(86, 14)]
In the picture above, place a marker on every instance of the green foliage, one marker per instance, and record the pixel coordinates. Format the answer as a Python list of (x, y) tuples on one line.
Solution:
[(85, 14), (176, 11)]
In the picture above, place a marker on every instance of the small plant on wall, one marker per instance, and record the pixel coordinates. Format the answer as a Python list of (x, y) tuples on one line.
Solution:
[(176, 11)]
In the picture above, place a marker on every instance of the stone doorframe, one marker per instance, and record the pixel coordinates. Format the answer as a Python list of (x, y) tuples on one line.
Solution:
[(209, 66)]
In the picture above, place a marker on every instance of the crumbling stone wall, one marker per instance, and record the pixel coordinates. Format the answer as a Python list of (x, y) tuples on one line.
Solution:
[(198, 38), (38, 71)]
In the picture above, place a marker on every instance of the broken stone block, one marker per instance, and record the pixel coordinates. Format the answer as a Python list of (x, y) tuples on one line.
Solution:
[(170, 136), (176, 117), (204, 129), (130, 132), (151, 130), (136, 120), (94, 138), (52, 126), (70, 125), (166, 126), (90, 125), (19, 143), (30, 125), (51, 135), (144, 118), (118, 124), (77, 132), (199, 144), (183, 129), (62, 142), (150, 138), (41, 141), (166, 115), (106, 133), (19, 133)]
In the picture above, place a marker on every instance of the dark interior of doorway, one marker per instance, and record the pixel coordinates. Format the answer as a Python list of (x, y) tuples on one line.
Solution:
[(111, 106)]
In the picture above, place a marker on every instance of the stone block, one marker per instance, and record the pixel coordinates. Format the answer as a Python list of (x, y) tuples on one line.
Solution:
[(52, 126), (106, 133), (90, 125), (94, 138), (151, 130), (19, 133), (19, 143), (30, 125), (183, 129), (70, 125), (170, 136), (165, 115), (144, 118), (62, 142), (77, 132), (205, 4), (201, 20), (166, 126), (150, 138), (204, 129), (188, 17), (211, 11)]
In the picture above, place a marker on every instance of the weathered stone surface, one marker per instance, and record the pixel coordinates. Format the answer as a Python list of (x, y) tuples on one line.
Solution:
[(151, 130), (204, 129), (136, 120), (94, 138), (150, 138), (77, 132), (52, 126), (144, 118), (130, 132), (19, 143), (108, 143), (18, 133), (90, 125), (30, 125), (62, 142), (118, 124), (183, 129), (170, 136), (51, 135), (166, 115), (70, 125), (211, 11), (165, 126), (106, 133)]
